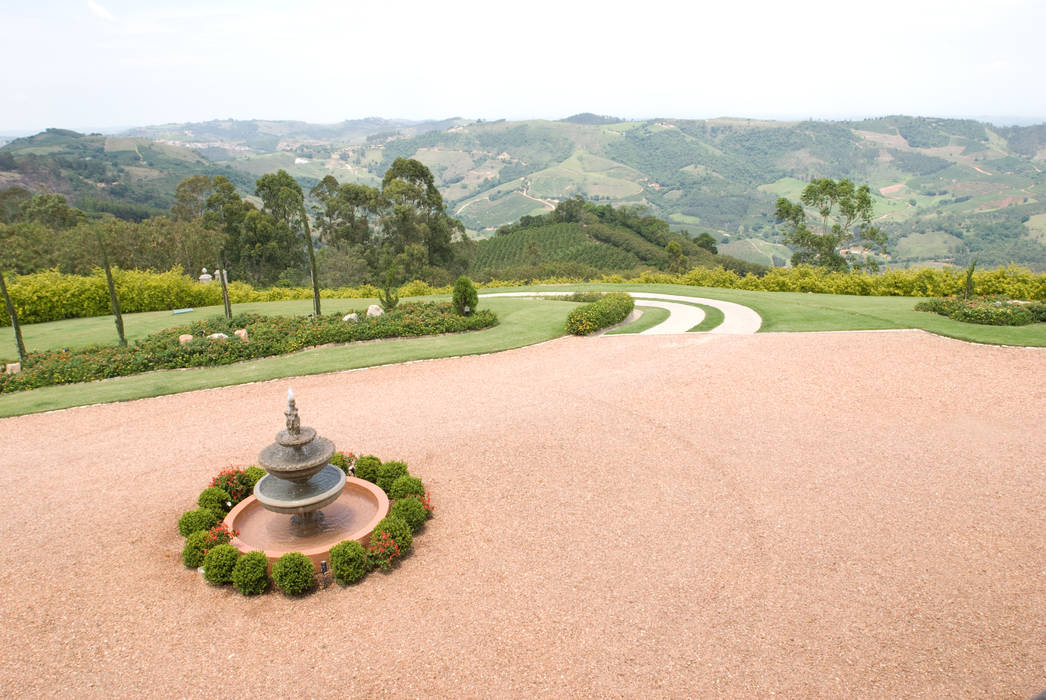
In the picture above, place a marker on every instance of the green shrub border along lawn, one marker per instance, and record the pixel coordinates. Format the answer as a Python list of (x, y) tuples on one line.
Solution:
[(988, 311), (392, 538), (266, 336), (521, 322), (602, 313)]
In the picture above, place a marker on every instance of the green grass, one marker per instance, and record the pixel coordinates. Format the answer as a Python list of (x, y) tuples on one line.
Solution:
[(713, 317), (794, 312), (652, 315), (522, 322), (791, 312), (77, 332)]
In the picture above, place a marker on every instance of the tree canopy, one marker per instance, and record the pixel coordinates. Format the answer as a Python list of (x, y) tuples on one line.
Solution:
[(845, 230)]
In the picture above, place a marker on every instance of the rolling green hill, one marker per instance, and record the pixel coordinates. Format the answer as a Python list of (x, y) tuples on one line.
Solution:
[(132, 178), (947, 191)]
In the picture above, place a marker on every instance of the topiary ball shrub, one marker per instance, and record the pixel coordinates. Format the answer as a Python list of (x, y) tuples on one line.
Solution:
[(367, 468), (348, 562), (389, 472), (252, 475), (192, 553), (398, 528), (464, 296), (196, 520), (215, 499), (250, 576), (412, 512), (406, 486), (294, 574), (218, 564)]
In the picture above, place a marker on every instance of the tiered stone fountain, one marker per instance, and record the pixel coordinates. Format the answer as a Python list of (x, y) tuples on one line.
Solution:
[(284, 513)]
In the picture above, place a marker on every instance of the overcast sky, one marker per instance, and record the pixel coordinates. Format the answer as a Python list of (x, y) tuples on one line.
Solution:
[(107, 63)]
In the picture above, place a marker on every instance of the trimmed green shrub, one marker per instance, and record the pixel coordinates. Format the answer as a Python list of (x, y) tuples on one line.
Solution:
[(250, 575), (412, 512), (612, 308), (989, 311), (192, 552), (294, 574), (398, 528), (388, 472), (215, 499), (348, 562), (196, 520), (218, 564), (464, 295), (582, 297), (406, 486), (367, 468), (251, 476)]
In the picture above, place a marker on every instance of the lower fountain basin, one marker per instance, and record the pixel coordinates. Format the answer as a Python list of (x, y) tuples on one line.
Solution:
[(352, 516)]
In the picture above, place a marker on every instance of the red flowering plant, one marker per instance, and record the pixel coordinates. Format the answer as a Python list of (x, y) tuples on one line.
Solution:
[(382, 550), (219, 534), (235, 482)]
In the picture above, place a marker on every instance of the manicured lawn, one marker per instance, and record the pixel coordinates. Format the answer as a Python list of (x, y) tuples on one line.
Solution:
[(789, 311), (76, 332), (652, 316), (713, 317), (522, 322)]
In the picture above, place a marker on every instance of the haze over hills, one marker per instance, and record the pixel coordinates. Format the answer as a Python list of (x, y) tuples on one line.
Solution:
[(947, 190)]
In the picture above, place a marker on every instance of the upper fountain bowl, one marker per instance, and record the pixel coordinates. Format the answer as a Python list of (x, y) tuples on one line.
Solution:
[(296, 457)]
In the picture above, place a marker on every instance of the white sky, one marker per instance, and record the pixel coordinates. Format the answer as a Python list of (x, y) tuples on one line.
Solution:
[(107, 63)]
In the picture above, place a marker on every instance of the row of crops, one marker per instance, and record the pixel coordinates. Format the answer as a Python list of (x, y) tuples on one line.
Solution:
[(563, 242)]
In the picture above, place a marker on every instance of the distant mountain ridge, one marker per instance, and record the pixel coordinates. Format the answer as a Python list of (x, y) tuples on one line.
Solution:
[(946, 190)]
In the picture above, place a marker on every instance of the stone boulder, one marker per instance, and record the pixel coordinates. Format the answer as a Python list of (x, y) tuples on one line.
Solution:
[(184, 338), (218, 336), (13, 368), (375, 310), (241, 334), (353, 317)]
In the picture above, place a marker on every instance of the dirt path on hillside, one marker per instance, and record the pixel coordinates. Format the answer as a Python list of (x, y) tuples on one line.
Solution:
[(807, 515)]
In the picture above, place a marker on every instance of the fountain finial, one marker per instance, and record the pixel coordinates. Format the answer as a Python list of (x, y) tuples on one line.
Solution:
[(293, 422)]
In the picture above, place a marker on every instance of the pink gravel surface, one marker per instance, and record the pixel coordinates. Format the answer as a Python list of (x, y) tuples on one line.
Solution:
[(807, 515)]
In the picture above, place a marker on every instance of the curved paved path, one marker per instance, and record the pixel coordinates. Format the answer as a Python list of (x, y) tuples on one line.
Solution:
[(737, 319)]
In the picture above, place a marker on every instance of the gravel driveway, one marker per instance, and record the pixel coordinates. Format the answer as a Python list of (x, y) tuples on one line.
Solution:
[(807, 515)]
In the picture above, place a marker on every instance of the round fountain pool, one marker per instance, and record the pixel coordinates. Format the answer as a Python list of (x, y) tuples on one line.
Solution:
[(352, 516)]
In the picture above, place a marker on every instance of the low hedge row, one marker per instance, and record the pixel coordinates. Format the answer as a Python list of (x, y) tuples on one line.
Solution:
[(51, 295), (208, 539), (267, 336), (988, 311), (610, 309)]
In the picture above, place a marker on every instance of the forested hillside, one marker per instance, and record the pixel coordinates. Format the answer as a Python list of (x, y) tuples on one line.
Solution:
[(946, 191)]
